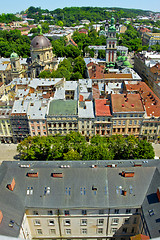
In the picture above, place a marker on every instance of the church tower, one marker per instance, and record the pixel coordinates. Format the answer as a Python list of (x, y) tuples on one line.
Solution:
[(111, 45)]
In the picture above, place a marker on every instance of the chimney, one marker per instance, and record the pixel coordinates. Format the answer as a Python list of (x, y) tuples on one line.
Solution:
[(57, 175), (132, 105), (158, 193), (11, 185), (1, 216), (127, 174), (32, 174), (124, 192)]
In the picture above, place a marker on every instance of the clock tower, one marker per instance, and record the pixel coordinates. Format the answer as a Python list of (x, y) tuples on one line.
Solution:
[(111, 45)]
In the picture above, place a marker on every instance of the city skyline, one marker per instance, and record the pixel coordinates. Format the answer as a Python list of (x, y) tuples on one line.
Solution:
[(18, 6)]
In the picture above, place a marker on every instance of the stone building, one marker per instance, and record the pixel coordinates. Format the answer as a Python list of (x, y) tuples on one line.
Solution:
[(62, 117), (80, 199), (41, 56)]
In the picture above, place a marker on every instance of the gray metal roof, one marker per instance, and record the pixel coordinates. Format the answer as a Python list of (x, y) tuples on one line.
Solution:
[(85, 109), (79, 174)]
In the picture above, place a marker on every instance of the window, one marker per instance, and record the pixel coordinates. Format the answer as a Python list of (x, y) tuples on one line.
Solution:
[(115, 221), (135, 221), (37, 222), (128, 210), (84, 231), (116, 211), (68, 231), (114, 122), (38, 127), (99, 230), (29, 190), (132, 231), (67, 222), (37, 121), (101, 211), (39, 231), (126, 220), (124, 122), (113, 230), (84, 212), (51, 222), (84, 222), (35, 212), (66, 212), (119, 122), (100, 221), (50, 212), (130, 122), (124, 230), (52, 231), (135, 122)]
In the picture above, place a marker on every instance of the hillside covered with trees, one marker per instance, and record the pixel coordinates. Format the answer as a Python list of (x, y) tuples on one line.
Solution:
[(73, 146), (73, 15)]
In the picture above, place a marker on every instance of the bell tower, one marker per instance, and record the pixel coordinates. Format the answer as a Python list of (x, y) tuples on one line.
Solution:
[(111, 45)]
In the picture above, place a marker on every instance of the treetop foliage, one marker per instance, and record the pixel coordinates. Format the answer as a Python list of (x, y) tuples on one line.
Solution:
[(74, 146)]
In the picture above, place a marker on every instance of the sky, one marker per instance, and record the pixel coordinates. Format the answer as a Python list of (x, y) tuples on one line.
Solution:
[(13, 6)]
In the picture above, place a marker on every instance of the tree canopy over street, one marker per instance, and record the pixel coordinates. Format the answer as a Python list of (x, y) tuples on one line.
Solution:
[(73, 146)]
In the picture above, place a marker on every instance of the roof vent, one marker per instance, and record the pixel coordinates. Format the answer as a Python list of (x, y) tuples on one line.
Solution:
[(112, 165), (137, 165), (24, 165), (122, 105), (32, 174), (132, 105), (158, 193), (127, 174), (1, 216), (57, 175), (94, 166), (11, 185)]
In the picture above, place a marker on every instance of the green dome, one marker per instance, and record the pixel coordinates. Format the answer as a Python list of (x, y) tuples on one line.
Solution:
[(126, 63), (14, 55)]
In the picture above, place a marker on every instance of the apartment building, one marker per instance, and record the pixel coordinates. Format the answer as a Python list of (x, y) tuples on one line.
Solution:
[(5, 125), (147, 66), (37, 117), (19, 120), (62, 117), (128, 113), (150, 127), (103, 117), (80, 199)]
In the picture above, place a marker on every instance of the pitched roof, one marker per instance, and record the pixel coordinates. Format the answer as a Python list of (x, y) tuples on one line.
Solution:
[(126, 103), (101, 108), (149, 99), (13, 203)]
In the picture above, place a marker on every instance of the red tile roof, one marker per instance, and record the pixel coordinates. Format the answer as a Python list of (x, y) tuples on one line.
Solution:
[(101, 109), (127, 103), (97, 72), (150, 100), (73, 43), (155, 69), (95, 91), (80, 98), (140, 237)]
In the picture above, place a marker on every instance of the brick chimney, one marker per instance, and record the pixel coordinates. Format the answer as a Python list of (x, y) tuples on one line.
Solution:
[(158, 193), (11, 185), (1, 216)]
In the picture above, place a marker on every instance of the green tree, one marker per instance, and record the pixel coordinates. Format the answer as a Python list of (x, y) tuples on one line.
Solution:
[(79, 66)]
